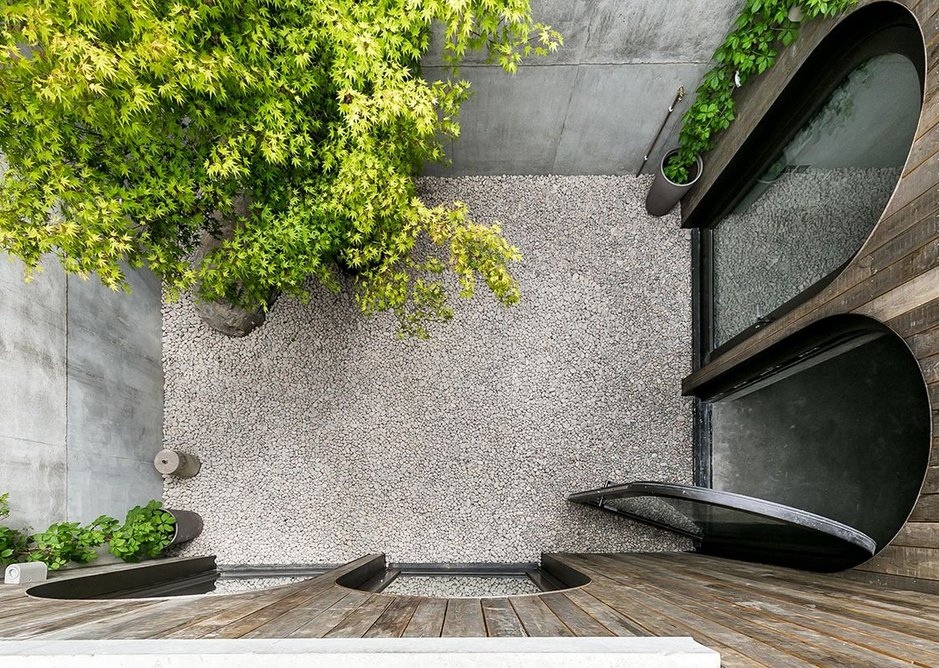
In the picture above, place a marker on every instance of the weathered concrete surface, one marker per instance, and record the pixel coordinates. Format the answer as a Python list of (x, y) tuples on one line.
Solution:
[(593, 107), (32, 394), (81, 399), (115, 396), (566, 119)]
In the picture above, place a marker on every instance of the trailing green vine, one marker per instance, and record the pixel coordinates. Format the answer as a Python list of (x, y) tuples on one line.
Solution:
[(762, 29), (146, 532)]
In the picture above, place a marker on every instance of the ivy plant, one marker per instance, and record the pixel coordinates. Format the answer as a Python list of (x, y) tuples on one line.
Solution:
[(66, 542), (130, 128), (146, 532), (761, 30), (12, 542)]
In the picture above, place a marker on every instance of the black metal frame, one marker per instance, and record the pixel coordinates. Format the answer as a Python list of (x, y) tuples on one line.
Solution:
[(193, 575), (840, 546), (870, 31), (551, 575)]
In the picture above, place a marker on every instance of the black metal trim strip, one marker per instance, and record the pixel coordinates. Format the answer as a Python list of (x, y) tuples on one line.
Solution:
[(729, 500)]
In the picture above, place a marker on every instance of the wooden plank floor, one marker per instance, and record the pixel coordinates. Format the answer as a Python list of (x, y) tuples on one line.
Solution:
[(753, 615)]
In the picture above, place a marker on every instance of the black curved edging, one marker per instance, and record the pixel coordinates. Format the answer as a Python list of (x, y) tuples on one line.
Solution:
[(376, 574), (874, 29), (143, 581), (852, 546), (865, 31), (814, 339)]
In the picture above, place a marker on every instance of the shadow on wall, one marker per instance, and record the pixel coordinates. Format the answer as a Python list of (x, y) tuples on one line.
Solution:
[(81, 403)]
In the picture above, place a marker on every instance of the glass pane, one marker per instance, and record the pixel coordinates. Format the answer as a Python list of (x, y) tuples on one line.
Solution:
[(738, 526), (814, 207)]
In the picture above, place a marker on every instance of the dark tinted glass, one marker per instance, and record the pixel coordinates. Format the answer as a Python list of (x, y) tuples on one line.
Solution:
[(815, 205), (738, 526)]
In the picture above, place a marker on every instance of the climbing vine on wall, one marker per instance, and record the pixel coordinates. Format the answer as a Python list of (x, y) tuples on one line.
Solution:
[(762, 29)]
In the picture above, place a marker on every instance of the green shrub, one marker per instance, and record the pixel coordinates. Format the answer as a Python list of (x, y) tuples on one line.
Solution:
[(12, 542), (65, 542), (752, 48), (146, 532), (129, 128)]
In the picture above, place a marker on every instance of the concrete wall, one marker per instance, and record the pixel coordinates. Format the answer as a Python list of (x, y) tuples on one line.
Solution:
[(33, 458), (594, 107), (81, 399)]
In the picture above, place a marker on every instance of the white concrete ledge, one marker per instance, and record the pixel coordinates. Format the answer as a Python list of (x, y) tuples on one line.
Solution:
[(365, 653)]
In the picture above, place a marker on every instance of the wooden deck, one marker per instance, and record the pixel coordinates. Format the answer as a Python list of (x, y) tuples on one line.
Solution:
[(753, 615)]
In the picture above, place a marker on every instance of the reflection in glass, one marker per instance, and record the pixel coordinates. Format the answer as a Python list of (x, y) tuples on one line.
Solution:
[(816, 204)]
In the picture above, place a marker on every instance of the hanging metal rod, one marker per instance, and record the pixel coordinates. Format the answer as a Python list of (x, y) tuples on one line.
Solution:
[(679, 94)]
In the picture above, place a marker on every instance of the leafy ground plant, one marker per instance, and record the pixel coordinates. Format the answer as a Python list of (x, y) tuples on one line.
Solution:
[(12, 542), (762, 29), (146, 532), (129, 128), (66, 542)]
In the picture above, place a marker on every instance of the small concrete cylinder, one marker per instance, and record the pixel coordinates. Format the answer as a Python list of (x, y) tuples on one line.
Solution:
[(19, 574), (179, 464)]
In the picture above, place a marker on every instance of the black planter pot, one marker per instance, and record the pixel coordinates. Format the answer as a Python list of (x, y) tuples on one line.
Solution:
[(188, 525), (665, 193)]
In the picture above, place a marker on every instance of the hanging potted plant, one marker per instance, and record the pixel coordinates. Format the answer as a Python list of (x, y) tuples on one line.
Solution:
[(666, 192), (150, 529)]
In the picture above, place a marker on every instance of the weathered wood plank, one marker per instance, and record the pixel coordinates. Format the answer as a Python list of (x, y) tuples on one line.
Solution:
[(501, 620), (924, 148), (838, 616), (662, 618), (427, 621), (827, 585), (464, 619), (619, 624), (227, 610), (824, 639), (330, 618), (357, 623), (906, 296), (14, 607), (395, 618), (926, 343), (913, 562), (573, 616), (537, 618), (133, 623), (894, 226), (265, 615), (286, 624), (30, 624), (918, 534), (931, 483)]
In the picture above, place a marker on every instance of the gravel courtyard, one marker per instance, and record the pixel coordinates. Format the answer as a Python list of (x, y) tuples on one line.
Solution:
[(324, 437)]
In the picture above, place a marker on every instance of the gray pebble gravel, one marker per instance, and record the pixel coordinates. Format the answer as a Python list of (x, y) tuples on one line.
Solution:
[(801, 229), (444, 586), (240, 585), (323, 437)]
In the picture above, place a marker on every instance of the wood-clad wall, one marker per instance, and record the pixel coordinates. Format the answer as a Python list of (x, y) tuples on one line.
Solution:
[(894, 278)]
